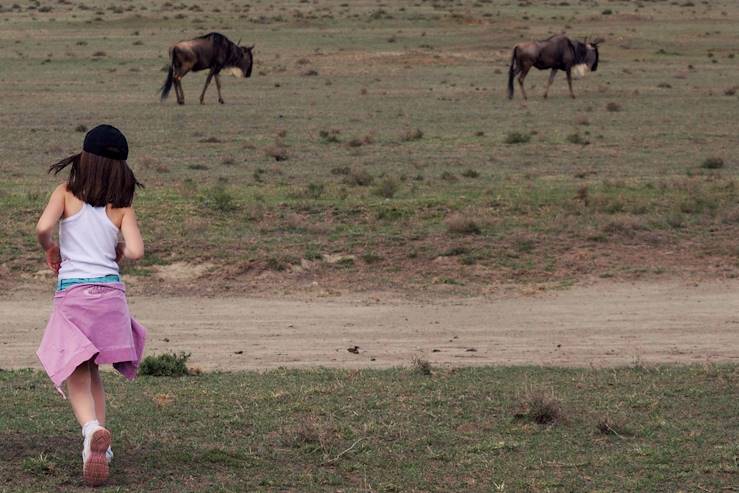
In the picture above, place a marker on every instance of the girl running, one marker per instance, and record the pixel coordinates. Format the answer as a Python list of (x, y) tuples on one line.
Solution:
[(90, 323)]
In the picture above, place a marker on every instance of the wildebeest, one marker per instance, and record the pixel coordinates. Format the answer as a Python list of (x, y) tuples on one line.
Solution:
[(214, 52), (556, 53)]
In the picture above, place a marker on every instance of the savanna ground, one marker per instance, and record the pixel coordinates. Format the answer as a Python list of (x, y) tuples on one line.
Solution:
[(374, 151), (369, 147)]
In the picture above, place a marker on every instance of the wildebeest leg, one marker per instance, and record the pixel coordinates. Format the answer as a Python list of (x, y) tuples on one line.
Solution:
[(179, 92), (524, 70), (569, 83), (207, 81), (549, 82), (218, 86)]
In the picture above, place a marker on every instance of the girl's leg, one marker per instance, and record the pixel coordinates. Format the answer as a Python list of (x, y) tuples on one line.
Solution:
[(98, 393), (79, 387)]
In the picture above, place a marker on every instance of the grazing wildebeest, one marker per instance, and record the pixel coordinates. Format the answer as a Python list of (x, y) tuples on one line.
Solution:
[(214, 52), (557, 53)]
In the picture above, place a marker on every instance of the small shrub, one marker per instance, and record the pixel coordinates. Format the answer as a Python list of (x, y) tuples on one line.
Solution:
[(314, 190), (576, 138), (330, 136), (387, 188), (340, 170), (607, 12), (99, 54), (371, 258), (421, 366), (613, 107), (165, 365), (540, 409), (358, 177), (459, 224), (608, 426), (220, 200), (276, 264), (80, 128), (731, 91), (410, 135), (470, 173), (713, 163), (448, 176), (517, 138), (277, 152), (198, 167)]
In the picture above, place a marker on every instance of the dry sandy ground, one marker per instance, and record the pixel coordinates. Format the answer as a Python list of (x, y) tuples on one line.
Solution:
[(605, 324)]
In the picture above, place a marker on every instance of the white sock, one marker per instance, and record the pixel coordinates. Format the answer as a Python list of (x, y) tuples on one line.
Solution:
[(89, 426)]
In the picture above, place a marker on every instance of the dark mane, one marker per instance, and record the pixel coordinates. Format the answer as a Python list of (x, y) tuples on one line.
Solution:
[(580, 50)]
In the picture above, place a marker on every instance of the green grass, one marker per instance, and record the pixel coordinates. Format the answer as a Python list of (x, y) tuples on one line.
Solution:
[(417, 429), (418, 126)]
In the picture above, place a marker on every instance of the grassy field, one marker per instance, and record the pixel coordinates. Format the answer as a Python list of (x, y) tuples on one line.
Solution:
[(661, 429), (370, 147)]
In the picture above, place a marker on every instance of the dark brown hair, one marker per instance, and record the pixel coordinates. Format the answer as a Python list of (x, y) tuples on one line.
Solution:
[(98, 180)]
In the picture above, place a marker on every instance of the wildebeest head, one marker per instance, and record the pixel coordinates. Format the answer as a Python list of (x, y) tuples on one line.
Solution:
[(240, 61), (247, 60), (591, 53), (586, 57)]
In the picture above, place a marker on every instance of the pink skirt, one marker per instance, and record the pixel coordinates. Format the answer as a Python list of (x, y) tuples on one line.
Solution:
[(91, 320)]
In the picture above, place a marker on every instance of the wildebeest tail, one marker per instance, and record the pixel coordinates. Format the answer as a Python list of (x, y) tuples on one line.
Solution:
[(167, 86), (512, 73)]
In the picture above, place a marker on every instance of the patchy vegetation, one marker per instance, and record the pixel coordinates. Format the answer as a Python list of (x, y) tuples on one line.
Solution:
[(630, 429), (378, 163)]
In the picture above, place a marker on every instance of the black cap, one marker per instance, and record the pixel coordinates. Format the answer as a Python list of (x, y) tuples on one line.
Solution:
[(106, 141)]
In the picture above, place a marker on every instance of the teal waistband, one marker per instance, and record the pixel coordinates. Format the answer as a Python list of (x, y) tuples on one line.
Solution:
[(65, 283)]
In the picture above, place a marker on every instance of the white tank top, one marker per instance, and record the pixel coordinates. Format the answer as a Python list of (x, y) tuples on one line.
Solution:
[(87, 242)]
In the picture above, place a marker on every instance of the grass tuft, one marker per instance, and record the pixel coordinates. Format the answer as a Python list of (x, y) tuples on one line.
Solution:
[(421, 366), (165, 365), (517, 138), (462, 225), (409, 135), (713, 163), (540, 409), (387, 187)]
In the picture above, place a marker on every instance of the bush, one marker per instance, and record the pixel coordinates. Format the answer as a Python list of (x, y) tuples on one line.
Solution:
[(459, 224), (277, 152), (713, 163), (517, 138), (165, 365), (540, 409), (576, 138), (358, 177), (387, 188), (314, 190), (409, 135), (613, 107), (329, 136), (219, 199)]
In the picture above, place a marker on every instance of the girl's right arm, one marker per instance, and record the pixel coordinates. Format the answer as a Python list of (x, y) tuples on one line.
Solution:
[(46, 224), (134, 244)]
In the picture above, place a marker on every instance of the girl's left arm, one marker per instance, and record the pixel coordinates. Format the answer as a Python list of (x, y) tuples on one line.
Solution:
[(46, 224)]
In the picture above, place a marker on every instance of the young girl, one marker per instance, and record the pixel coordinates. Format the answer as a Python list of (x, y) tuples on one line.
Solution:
[(90, 323)]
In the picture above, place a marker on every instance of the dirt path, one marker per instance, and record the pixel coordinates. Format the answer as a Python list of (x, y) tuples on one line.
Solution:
[(601, 325)]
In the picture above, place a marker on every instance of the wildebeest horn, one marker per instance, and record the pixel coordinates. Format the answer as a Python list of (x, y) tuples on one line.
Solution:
[(239, 43)]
